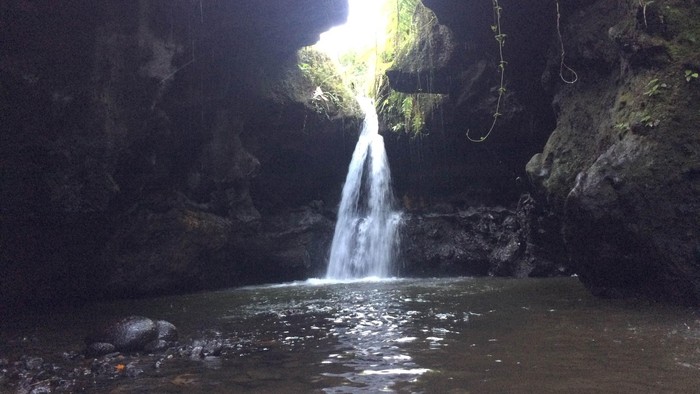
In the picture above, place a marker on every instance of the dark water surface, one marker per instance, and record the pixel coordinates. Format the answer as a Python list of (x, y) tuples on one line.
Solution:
[(461, 335)]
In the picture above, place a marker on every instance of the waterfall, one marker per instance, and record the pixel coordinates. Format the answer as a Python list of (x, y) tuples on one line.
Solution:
[(366, 233)]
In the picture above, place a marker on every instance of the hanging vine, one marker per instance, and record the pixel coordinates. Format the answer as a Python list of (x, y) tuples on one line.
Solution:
[(562, 64), (501, 39)]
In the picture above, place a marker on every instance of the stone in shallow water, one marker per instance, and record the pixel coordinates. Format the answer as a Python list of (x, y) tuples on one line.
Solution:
[(166, 331), (131, 333), (99, 348), (33, 363), (156, 345)]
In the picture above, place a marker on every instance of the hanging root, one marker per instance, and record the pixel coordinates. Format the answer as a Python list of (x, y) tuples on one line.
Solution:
[(562, 64)]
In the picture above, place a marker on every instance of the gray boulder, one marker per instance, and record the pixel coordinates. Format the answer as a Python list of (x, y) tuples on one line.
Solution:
[(132, 333)]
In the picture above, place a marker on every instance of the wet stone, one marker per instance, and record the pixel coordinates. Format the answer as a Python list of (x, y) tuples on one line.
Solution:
[(132, 370), (166, 331), (156, 345), (131, 333), (41, 389), (99, 348), (33, 363), (70, 355), (196, 352)]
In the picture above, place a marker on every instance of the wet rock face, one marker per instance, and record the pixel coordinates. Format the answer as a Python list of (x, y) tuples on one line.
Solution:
[(479, 241), (292, 245), (432, 64), (620, 167), (127, 166), (456, 55), (618, 172), (155, 252), (632, 232)]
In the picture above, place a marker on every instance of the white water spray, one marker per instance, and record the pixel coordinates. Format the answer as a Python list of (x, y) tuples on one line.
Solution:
[(366, 233)]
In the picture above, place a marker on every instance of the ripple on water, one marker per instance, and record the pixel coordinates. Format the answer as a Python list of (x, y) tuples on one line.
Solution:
[(484, 335)]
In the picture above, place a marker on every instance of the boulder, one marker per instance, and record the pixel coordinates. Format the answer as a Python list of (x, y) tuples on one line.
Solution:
[(132, 333), (166, 331)]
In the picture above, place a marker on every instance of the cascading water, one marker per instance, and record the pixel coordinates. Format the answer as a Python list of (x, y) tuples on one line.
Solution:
[(366, 233)]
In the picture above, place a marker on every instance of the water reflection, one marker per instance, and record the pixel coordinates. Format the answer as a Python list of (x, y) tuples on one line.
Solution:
[(441, 335), (370, 326), (365, 326), (372, 330)]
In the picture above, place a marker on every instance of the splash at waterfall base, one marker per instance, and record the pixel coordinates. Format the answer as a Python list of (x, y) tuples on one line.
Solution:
[(366, 239)]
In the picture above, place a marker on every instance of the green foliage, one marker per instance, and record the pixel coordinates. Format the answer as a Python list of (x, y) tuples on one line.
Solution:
[(654, 87), (319, 69), (690, 75), (648, 121), (644, 118), (402, 29), (406, 113), (622, 126), (330, 94), (363, 71)]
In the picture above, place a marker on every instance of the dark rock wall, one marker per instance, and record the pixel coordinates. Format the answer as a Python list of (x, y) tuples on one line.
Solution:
[(479, 241), (150, 147), (132, 131), (615, 184), (620, 165), (456, 55)]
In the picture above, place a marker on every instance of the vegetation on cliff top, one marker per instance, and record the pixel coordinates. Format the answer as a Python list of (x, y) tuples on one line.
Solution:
[(328, 94), (405, 112), (362, 69)]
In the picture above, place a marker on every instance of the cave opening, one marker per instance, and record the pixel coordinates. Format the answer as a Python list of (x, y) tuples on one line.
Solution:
[(365, 25), (155, 150), (367, 44)]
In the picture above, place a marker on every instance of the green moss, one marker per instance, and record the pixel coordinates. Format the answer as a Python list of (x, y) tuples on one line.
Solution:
[(406, 113), (682, 29), (403, 112), (327, 93), (659, 97)]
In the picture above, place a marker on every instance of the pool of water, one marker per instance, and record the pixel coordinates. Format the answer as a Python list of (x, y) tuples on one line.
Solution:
[(456, 335)]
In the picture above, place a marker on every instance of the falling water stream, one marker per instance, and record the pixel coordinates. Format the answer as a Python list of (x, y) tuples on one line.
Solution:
[(365, 238)]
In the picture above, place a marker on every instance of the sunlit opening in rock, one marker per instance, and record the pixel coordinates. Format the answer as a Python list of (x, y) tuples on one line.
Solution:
[(365, 29)]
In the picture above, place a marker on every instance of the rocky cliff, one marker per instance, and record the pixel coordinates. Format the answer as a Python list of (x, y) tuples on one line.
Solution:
[(605, 91), (621, 166), (153, 146), (143, 142)]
